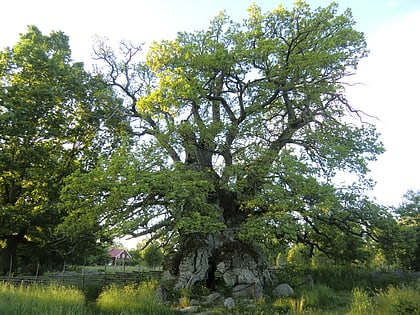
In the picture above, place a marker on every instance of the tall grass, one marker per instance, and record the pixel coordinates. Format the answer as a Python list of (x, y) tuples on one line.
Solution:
[(361, 303), (52, 299), (393, 300), (401, 300), (40, 299), (131, 299)]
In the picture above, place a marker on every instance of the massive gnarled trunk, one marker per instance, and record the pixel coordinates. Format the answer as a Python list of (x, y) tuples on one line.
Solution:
[(202, 257)]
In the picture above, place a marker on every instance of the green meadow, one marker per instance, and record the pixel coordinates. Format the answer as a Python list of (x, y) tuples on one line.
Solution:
[(350, 293), (52, 299)]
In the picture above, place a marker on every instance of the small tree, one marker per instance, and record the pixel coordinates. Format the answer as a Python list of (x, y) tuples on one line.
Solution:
[(152, 255), (409, 230)]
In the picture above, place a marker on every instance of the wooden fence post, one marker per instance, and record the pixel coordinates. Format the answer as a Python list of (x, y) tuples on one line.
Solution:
[(10, 266), (64, 270)]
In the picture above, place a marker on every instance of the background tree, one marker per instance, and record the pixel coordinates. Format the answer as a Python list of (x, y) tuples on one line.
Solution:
[(55, 118), (136, 252), (241, 129), (407, 240), (152, 255)]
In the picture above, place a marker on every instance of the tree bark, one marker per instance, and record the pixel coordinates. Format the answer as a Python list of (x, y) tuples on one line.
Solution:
[(8, 255), (202, 257)]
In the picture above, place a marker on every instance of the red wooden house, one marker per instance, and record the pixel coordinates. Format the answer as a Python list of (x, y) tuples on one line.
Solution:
[(118, 256)]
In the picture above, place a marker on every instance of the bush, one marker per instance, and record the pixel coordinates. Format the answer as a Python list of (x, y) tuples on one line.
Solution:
[(152, 255)]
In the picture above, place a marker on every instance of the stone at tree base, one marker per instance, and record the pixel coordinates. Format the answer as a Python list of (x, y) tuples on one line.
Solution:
[(282, 290), (161, 293), (213, 297), (167, 277), (195, 302), (252, 290), (309, 281), (189, 309), (229, 303), (243, 290)]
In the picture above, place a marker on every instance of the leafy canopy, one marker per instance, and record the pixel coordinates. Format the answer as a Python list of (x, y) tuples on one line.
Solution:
[(55, 118), (242, 126)]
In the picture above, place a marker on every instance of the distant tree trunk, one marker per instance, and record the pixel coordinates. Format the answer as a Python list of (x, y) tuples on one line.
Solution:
[(8, 255)]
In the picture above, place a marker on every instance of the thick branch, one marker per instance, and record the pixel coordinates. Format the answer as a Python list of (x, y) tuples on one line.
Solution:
[(156, 227), (226, 106)]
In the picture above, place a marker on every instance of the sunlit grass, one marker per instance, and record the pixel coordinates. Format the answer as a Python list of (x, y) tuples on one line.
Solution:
[(131, 299), (141, 299), (393, 300), (40, 299), (361, 303), (397, 300)]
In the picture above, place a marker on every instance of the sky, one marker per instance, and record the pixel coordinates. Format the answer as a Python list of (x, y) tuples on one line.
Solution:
[(389, 75)]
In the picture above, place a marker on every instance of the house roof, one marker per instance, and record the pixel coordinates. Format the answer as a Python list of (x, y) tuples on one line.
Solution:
[(116, 252)]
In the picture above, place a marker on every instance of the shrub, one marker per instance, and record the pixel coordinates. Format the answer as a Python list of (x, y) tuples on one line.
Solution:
[(152, 255)]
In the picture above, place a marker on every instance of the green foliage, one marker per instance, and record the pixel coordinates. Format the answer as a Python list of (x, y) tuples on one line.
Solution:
[(399, 238), (324, 300), (243, 126), (84, 193), (319, 299), (152, 255), (408, 244), (348, 277), (55, 118), (298, 256)]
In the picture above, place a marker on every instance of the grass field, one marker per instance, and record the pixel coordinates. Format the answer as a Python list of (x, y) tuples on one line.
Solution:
[(38, 299), (112, 268), (330, 298)]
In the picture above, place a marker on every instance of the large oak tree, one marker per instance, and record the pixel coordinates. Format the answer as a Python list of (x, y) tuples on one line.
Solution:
[(241, 129)]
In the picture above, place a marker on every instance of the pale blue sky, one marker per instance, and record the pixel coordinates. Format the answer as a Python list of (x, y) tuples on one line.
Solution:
[(146, 20), (390, 73)]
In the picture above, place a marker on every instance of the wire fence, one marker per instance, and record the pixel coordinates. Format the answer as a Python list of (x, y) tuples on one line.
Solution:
[(80, 279)]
